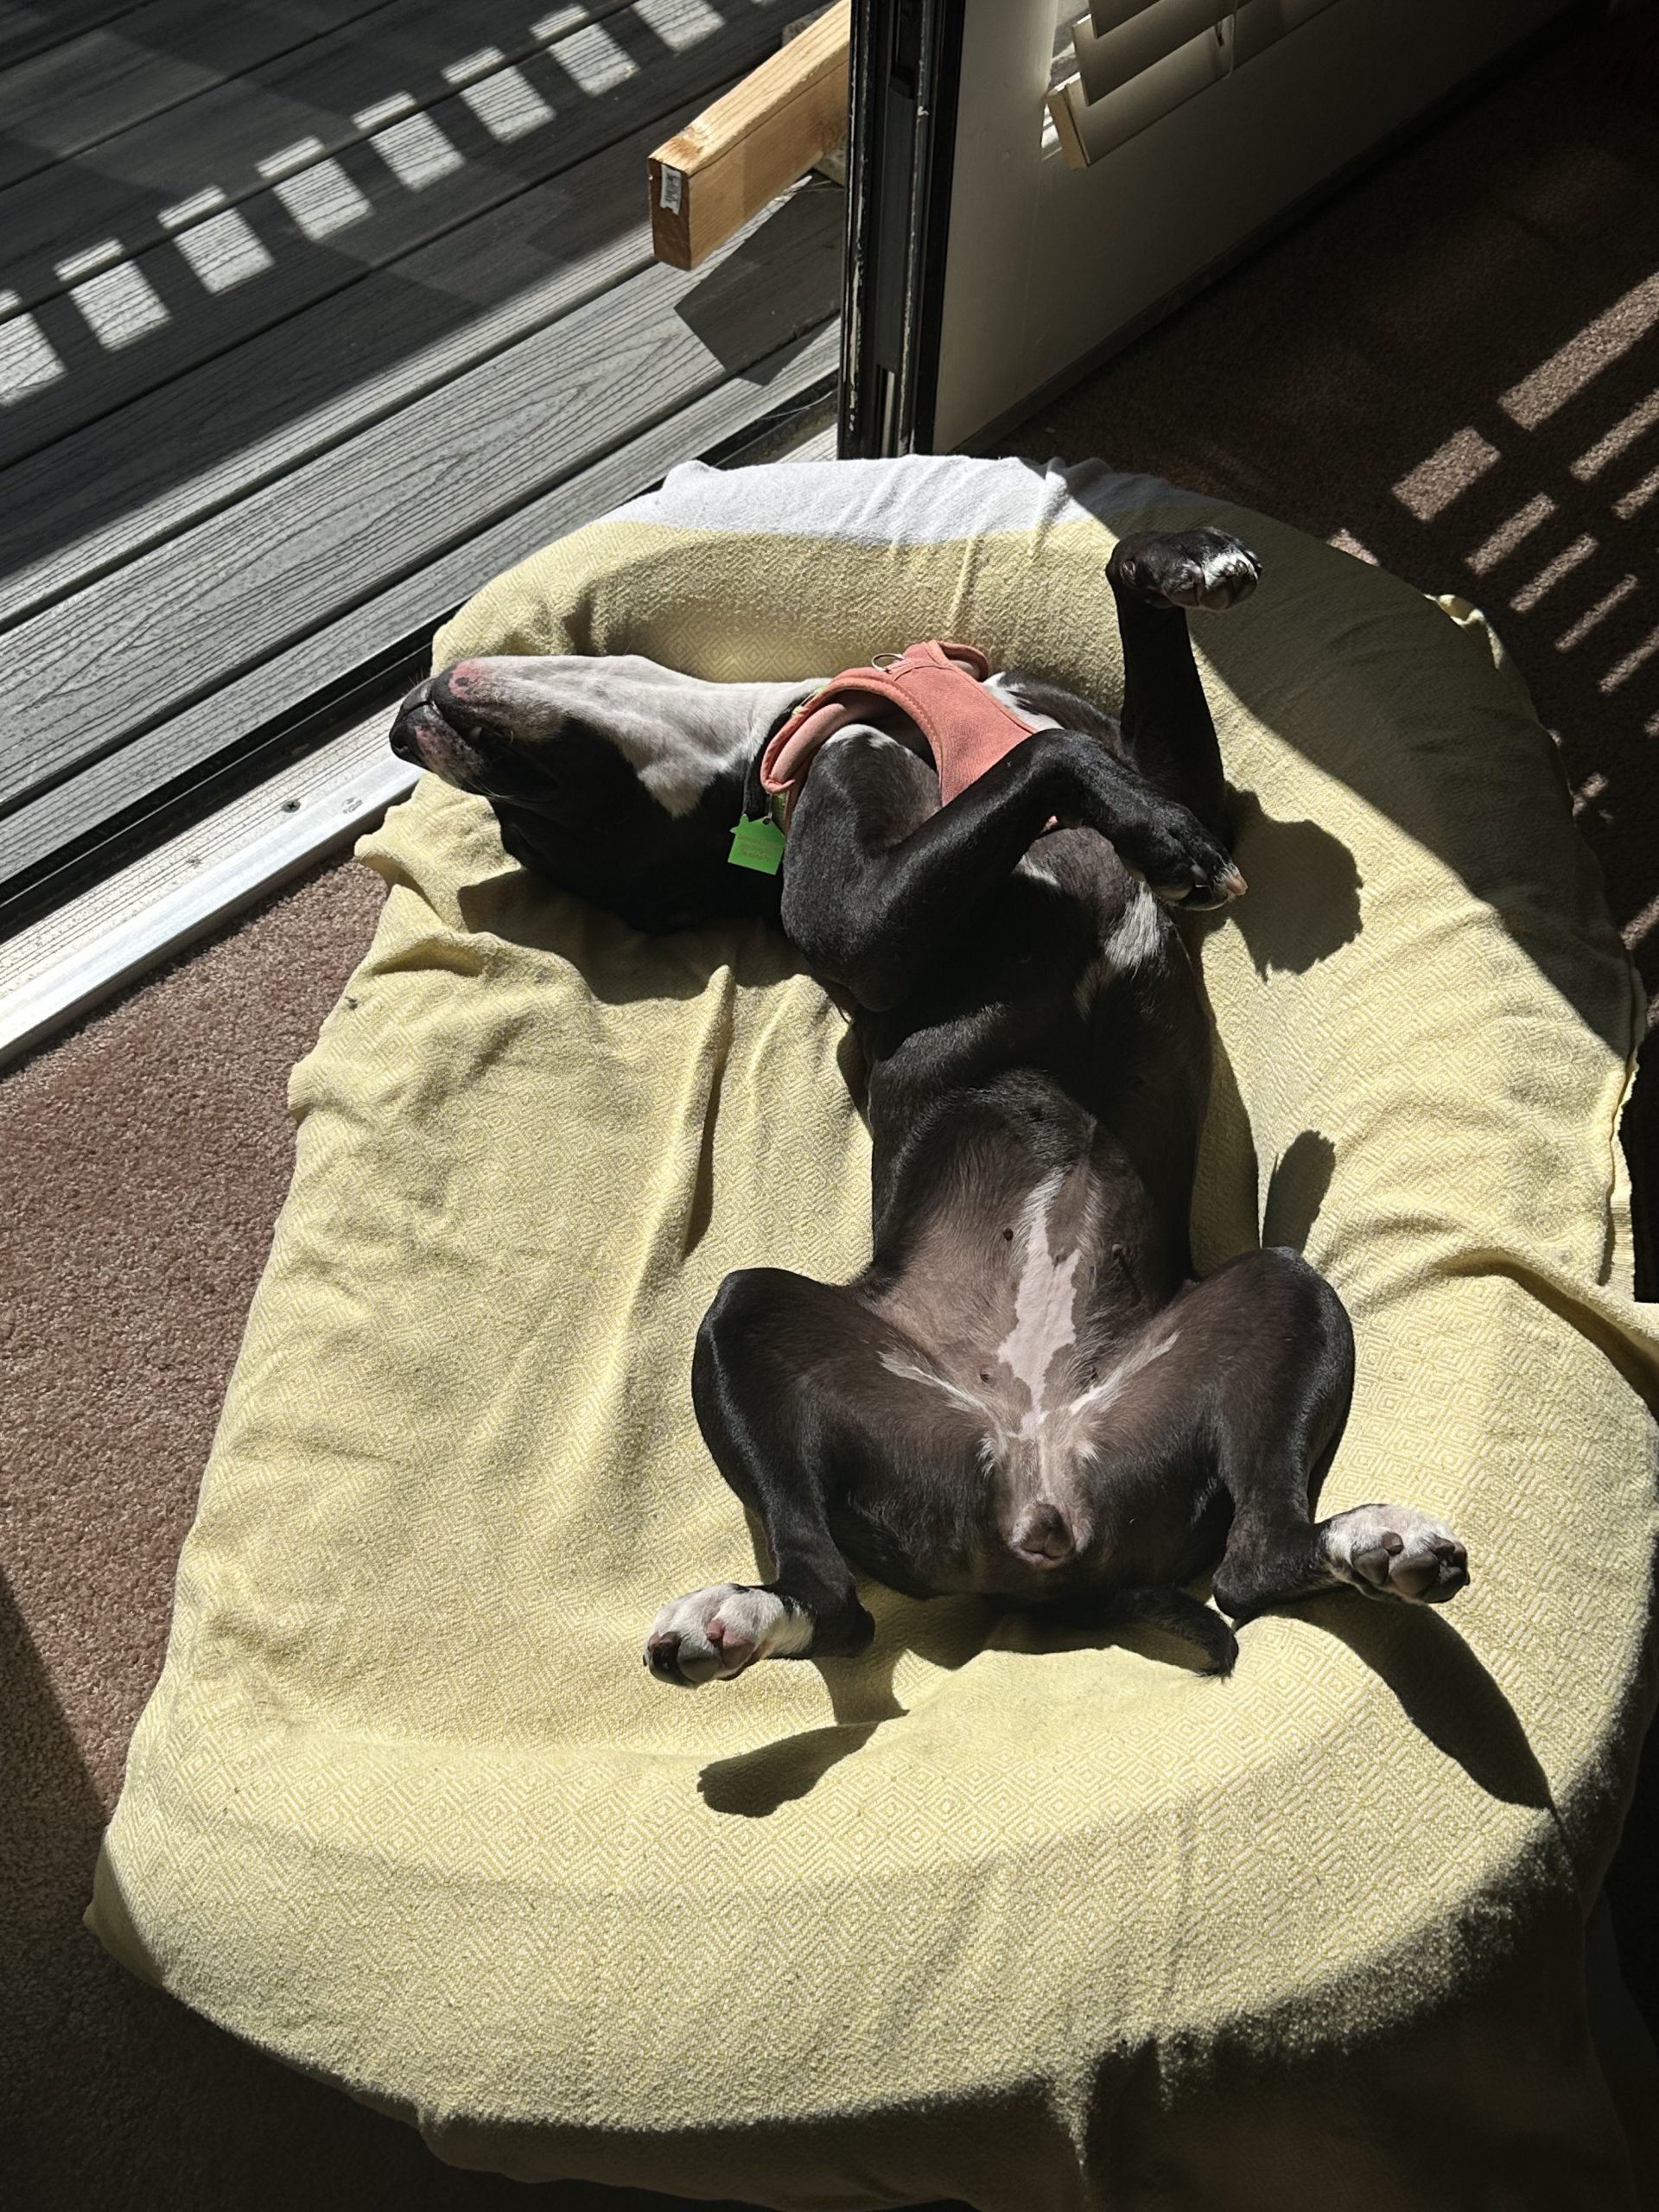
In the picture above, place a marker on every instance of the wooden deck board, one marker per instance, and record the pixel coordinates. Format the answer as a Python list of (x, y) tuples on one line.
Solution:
[(264, 572), (220, 137), (275, 475), (122, 483), (33, 26), (419, 600), (72, 96), (169, 319)]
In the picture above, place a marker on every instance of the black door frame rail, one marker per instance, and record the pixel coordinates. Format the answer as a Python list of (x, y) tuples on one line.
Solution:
[(906, 70)]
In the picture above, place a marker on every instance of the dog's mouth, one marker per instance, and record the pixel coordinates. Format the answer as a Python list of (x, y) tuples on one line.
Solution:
[(436, 732)]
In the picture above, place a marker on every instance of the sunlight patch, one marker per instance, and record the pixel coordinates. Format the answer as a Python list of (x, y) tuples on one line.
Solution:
[(1637, 496), (225, 251), (416, 152), (1625, 433), (1548, 576), (595, 59), (1448, 473), (1345, 541), (27, 362), (1508, 535), (475, 65), (508, 105), (679, 24), (1596, 614), (1599, 344), (120, 306), (322, 199), (1622, 670)]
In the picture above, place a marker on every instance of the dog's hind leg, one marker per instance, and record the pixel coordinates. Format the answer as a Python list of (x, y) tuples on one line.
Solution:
[(1167, 731), (788, 1384), (1282, 1362)]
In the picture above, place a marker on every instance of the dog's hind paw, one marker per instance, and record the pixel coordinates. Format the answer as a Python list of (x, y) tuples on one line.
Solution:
[(715, 1633), (1392, 1551), (1201, 568)]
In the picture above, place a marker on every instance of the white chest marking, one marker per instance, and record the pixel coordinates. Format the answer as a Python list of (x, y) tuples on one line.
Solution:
[(1111, 1384), (1136, 938), (1044, 1303), (908, 1371), (998, 685)]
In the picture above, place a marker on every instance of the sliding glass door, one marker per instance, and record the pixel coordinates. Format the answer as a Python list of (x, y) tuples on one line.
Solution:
[(1033, 182)]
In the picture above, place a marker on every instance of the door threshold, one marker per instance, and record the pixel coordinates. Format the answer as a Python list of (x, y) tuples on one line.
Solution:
[(64, 963)]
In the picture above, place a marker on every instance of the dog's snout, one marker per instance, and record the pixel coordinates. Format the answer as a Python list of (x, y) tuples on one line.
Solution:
[(405, 739), (460, 680)]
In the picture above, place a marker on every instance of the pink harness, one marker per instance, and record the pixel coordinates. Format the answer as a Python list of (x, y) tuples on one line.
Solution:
[(940, 686)]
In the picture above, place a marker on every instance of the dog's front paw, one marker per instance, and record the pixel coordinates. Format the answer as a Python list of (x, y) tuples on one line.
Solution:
[(713, 1634), (1391, 1551), (1186, 567), (1181, 862)]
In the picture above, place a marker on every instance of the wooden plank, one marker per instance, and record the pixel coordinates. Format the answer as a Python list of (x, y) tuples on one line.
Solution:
[(122, 484), (716, 173), (262, 573), (418, 601), (219, 138), (68, 97), (32, 26), (54, 969), (205, 311)]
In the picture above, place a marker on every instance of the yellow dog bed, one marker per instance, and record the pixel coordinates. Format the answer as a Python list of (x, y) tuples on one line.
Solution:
[(974, 1915)]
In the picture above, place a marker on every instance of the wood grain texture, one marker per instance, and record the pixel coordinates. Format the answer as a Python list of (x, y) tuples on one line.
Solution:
[(221, 134), (421, 598), (211, 435), (717, 172), (88, 88), (394, 220), (32, 26), (275, 568)]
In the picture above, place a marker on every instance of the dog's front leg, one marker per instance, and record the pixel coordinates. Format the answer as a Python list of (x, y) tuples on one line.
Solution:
[(875, 902)]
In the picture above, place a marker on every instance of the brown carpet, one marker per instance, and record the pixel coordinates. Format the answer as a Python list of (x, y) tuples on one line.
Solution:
[(1353, 379)]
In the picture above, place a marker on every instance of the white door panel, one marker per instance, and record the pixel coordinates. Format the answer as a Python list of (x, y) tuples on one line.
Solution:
[(1045, 263)]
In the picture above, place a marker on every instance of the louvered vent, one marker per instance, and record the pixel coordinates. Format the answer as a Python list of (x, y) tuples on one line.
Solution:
[(1132, 62)]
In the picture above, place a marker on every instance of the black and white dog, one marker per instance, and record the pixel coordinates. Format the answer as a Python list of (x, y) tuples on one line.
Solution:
[(1025, 1393)]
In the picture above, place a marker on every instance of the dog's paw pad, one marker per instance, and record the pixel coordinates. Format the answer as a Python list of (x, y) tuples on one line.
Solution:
[(1200, 568), (1392, 1551), (713, 1634)]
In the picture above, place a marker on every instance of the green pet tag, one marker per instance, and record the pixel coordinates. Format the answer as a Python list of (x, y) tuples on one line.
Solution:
[(757, 843)]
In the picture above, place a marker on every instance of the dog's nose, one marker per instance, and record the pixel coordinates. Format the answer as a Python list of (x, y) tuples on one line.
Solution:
[(405, 739)]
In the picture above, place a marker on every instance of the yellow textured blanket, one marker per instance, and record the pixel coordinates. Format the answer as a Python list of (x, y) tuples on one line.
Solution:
[(972, 1917)]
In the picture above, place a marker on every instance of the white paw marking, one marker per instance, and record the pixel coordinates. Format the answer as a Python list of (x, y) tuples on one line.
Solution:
[(1392, 1551), (1223, 578), (712, 1633)]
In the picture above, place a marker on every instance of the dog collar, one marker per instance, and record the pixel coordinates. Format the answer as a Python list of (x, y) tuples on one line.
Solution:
[(939, 685), (758, 839)]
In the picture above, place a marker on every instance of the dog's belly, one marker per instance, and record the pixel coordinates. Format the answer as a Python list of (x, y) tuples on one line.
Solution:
[(1027, 1352)]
